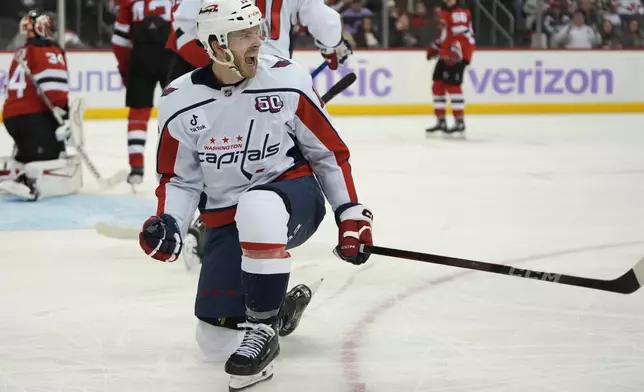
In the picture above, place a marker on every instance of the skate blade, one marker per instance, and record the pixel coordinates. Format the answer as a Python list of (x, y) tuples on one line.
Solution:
[(457, 135), (241, 383), (315, 286)]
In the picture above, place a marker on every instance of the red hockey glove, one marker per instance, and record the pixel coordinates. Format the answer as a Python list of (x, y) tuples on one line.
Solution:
[(354, 222), (432, 51), (452, 55), (337, 55), (160, 238)]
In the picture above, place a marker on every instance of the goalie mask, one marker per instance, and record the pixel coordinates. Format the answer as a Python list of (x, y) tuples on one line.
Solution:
[(37, 25)]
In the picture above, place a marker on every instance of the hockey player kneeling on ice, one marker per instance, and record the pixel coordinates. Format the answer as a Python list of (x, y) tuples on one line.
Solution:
[(40, 167), (248, 141)]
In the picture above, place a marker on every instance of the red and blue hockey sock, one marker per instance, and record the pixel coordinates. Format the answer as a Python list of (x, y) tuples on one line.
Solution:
[(439, 99), (457, 100), (137, 134), (265, 274)]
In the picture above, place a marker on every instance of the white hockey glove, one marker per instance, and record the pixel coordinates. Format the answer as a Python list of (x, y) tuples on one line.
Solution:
[(336, 55)]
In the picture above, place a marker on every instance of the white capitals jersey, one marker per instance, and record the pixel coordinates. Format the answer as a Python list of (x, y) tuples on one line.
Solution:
[(216, 142), (323, 22)]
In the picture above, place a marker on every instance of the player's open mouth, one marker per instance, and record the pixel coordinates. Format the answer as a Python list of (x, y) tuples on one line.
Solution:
[(251, 61)]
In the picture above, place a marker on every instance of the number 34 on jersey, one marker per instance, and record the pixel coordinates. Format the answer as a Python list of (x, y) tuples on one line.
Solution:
[(48, 66)]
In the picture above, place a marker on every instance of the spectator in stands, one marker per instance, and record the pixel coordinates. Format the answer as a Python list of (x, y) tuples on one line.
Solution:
[(608, 12), (353, 16), (366, 35), (403, 30), (420, 25), (591, 13), (627, 8), (610, 36), (634, 37), (577, 34), (555, 19)]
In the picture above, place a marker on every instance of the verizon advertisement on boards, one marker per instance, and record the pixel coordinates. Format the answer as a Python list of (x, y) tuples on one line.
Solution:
[(399, 82)]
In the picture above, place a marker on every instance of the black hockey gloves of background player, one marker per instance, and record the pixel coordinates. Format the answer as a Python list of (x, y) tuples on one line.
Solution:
[(160, 238), (354, 222)]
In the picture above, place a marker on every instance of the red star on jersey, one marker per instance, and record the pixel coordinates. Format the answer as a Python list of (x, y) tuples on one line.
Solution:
[(212, 140), (239, 138), (225, 139)]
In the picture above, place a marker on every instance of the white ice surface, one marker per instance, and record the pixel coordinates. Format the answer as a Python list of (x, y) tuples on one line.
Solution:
[(79, 312)]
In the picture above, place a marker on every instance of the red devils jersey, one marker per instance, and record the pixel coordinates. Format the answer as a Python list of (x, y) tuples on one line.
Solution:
[(456, 26), (183, 34), (48, 64), (140, 25)]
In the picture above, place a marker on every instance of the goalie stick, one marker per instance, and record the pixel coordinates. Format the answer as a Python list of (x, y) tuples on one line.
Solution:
[(628, 283), (132, 233), (104, 183)]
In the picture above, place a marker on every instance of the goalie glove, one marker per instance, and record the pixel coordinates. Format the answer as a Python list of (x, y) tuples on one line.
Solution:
[(354, 223), (64, 133), (336, 55), (160, 238)]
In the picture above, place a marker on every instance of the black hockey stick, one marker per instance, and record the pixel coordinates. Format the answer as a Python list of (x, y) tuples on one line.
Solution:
[(628, 283), (339, 87)]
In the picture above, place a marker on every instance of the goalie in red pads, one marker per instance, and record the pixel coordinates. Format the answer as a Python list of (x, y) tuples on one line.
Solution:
[(41, 165), (454, 49)]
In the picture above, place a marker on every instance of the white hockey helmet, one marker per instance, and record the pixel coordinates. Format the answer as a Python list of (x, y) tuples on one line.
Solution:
[(221, 17)]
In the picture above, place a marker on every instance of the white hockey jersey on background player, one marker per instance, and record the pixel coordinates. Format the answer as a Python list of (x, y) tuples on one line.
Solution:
[(323, 23), (223, 140)]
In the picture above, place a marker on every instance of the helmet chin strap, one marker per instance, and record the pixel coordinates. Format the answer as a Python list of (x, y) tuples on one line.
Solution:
[(230, 63)]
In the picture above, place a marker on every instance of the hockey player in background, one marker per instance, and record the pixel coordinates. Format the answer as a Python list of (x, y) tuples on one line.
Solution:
[(248, 140), (140, 34), (40, 167), (323, 22), (454, 49)]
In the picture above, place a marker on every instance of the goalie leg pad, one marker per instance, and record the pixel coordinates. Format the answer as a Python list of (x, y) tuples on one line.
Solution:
[(10, 169), (57, 177)]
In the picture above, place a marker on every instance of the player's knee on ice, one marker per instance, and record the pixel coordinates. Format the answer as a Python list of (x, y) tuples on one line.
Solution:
[(217, 343), (261, 218)]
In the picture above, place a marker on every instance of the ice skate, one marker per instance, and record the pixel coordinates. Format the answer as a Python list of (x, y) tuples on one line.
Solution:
[(135, 177), (441, 126), (252, 363), (295, 302), (458, 129)]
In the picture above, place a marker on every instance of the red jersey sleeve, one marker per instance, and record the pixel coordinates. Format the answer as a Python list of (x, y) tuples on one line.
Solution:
[(48, 65), (121, 42)]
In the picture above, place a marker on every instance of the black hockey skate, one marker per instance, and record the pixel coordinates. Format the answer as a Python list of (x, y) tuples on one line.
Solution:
[(458, 128), (136, 176), (193, 244), (252, 363), (441, 126), (295, 302)]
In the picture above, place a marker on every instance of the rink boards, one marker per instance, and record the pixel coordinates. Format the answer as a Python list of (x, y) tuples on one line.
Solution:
[(399, 82)]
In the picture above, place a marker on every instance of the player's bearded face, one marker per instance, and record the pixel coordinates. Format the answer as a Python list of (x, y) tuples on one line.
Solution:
[(244, 44)]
